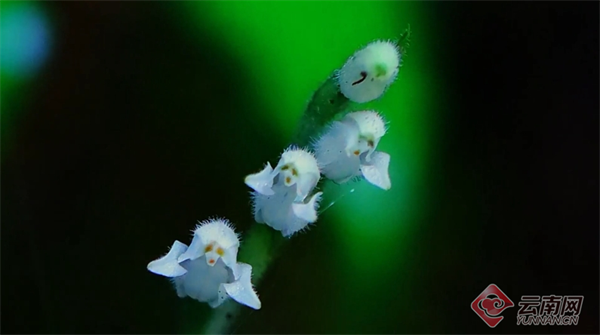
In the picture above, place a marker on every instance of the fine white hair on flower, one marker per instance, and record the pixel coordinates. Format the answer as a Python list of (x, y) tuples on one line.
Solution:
[(208, 270), (282, 196), (367, 74), (214, 239), (296, 167), (347, 150)]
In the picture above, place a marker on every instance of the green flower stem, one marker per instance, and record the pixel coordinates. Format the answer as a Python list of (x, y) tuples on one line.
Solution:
[(326, 104)]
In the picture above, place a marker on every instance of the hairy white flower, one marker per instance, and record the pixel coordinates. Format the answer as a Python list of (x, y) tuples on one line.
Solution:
[(366, 75), (208, 270), (281, 195), (214, 239), (347, 150)]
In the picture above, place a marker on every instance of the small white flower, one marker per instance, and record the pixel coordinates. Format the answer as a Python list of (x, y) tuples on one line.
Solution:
[(208, 270), (281, 195), (366, 75), (347, 150), (213, 239)]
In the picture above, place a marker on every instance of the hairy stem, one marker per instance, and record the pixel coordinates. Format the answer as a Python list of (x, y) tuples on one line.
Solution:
[(326, 104)]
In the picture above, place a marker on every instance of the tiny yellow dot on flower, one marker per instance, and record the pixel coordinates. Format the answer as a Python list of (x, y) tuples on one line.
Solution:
[(208, 248), (220, 251)]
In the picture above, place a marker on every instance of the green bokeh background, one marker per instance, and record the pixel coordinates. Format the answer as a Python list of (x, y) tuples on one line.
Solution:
[(125, 122)]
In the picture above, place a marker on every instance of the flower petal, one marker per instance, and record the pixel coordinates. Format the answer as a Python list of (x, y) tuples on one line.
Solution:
[(261, 182), (217, 230), (221, 298), (257, 205), (376, 172), (168, 265), (241, 290), (305, 185), (307, 211), (333, 151), (303, 159), (202, 281), (195, 250), (277, 211), (178, 283), (230, 259), (369, 122)]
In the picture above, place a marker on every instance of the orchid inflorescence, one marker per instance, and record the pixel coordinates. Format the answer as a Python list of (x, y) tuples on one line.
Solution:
[(286, 198)]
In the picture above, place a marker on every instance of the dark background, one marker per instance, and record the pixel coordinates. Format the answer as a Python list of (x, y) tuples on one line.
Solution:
[(106, 150)]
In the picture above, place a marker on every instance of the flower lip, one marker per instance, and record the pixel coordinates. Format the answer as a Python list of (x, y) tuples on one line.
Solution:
[(213, 256)]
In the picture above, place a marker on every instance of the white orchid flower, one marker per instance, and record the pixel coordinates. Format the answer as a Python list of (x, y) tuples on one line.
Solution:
[(208, 270), (347, 150), (282, 196)]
